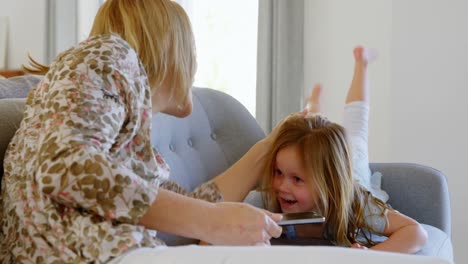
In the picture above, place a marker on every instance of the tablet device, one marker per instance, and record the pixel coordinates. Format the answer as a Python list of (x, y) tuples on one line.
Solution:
[(301, 218)]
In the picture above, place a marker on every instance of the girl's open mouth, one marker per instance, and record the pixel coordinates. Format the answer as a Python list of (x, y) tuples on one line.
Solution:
[(286, 203)]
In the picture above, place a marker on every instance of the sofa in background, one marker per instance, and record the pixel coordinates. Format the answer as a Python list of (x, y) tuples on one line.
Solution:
[(220, 130)]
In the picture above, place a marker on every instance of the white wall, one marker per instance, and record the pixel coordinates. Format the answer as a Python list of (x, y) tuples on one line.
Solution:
[(28, 23), (27, 27), (331, 33), (419, 83), (430, 79)]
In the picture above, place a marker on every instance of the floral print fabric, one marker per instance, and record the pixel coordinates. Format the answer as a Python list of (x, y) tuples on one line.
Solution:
[(80, 171)]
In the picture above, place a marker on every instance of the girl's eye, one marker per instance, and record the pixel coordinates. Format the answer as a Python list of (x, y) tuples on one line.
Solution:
[(277, 172), (297, 179)]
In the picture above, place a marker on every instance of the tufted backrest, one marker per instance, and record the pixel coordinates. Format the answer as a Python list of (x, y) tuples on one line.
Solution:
[(197, 148), (218, 132)]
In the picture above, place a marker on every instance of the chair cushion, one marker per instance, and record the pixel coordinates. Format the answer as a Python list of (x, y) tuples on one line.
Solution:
[(438, 245)]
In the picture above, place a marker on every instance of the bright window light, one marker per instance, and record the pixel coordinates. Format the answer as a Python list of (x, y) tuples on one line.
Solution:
[(226, 39), (86, 12)]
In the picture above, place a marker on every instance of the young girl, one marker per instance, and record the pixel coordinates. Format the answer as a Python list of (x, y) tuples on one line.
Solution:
[(310, 169)]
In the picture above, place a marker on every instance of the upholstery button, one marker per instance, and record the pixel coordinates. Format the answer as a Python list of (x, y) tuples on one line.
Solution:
[(189, 142), (171, 147), (213, 136)]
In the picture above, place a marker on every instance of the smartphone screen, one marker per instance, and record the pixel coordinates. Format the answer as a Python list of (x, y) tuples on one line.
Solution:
[(301, 218)]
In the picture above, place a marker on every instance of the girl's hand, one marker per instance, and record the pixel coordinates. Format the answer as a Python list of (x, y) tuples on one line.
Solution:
[(359, 246), (242, 224)]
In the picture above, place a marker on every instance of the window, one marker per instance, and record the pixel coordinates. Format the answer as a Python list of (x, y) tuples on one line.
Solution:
[(86, 12), (226, 39)]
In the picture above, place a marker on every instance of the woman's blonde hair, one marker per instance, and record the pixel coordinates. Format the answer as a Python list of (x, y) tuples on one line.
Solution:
[(161, 34), (326, 157)]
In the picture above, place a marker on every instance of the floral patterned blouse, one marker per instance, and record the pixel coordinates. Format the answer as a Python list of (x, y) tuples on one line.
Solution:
[(80, 171)]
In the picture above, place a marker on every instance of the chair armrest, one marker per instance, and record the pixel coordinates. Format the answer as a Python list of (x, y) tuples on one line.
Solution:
[(418, 191), (11, 110)]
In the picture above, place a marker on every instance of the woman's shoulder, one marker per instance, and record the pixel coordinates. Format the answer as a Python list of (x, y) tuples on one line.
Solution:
[(108, 40), (101, 60), (107, 47), (100, 54)]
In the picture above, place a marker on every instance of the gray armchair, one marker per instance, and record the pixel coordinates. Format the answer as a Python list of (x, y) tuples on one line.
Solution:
[(421, 192), (221, 130), (418, 191)]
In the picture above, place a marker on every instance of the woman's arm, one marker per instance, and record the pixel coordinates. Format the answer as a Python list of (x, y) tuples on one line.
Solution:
[(236, 182), (217, 223), (405, 235)]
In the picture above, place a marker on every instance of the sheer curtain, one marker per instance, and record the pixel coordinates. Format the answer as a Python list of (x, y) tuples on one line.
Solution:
[(280, 63)]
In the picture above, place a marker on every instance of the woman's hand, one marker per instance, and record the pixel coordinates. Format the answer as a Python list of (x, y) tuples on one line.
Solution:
[(241, 224), (224, 223)]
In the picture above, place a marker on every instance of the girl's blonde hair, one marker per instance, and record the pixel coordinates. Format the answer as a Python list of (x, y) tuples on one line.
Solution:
[(161, 34), (326, 157)]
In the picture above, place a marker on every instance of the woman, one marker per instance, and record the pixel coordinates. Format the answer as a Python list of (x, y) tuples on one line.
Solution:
[(82, 182)]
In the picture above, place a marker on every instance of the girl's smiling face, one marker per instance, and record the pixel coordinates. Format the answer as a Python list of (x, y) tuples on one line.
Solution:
[(295, 190)]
